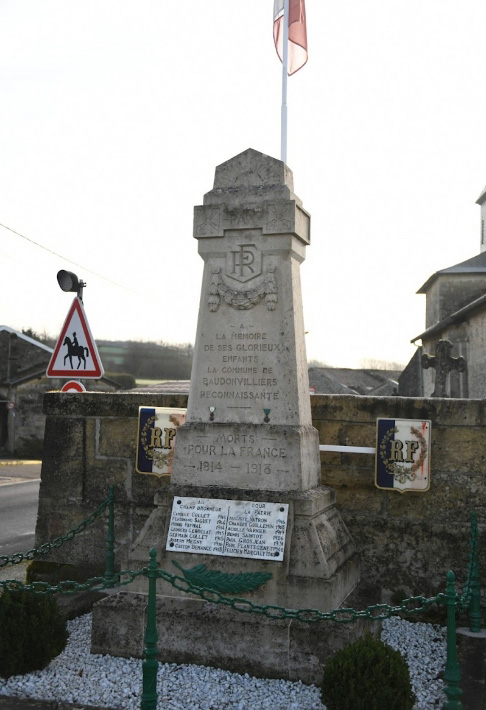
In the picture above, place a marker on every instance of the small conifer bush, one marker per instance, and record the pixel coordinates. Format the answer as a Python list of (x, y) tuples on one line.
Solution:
[(32, 631), (367, 675)]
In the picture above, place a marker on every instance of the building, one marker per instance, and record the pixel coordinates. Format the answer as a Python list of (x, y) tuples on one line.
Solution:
[(455, 311), (23, 382), (23, 361)]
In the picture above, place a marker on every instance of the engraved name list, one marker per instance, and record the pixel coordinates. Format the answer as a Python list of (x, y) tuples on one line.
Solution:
[(228, 527)]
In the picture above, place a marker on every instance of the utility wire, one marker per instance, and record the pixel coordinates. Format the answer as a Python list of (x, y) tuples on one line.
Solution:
[(41, 246)]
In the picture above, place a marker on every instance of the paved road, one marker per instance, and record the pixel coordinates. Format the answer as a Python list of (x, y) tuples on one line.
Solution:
[(19, 494)]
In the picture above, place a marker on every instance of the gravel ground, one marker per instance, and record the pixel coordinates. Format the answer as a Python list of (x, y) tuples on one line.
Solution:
[(77, 676), (16, 572)]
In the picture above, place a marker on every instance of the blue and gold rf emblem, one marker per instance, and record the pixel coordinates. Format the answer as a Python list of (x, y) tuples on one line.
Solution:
[(157, 427), (403, 455)]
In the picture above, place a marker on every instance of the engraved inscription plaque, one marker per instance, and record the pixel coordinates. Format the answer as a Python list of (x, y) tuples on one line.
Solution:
[(233, 528)]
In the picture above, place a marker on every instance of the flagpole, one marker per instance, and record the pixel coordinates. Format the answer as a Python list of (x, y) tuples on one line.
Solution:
[(285, 62)]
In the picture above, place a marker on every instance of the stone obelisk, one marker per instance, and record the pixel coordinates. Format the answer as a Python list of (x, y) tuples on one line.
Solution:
[(248, 429), (248, 436), (249, 418)]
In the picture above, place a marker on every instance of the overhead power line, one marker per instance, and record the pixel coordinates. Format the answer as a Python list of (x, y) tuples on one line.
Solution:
[(41, 246)]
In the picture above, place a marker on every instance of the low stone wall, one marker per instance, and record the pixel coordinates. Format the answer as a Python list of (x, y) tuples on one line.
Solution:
[(90, 443), (407, 541), (26, 422)]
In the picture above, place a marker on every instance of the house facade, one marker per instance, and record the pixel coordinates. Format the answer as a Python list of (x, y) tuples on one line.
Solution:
[(23, 363), (455, 311)]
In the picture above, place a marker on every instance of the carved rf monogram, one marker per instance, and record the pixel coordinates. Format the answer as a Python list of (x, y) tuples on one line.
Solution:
[(244, 263)]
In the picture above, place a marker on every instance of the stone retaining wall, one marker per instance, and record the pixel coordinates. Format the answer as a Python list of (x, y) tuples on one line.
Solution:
[(407, 541)]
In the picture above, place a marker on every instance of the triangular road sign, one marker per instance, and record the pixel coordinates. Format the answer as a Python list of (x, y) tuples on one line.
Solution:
[(75, 354)]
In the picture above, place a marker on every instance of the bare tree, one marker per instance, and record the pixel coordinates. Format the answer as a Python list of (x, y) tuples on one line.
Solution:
[(369, 363)]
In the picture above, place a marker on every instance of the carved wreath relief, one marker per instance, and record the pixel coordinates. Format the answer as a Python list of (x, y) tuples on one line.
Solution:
[(243, 264)]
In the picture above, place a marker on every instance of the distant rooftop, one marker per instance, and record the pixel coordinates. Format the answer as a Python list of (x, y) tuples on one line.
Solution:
[(346, 380), (31, 341), (325, 380), (475, 265), (170, 387), (456, 317), (481, 197)]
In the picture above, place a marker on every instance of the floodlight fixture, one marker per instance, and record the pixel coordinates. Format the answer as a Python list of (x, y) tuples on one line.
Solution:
[(70, 282)]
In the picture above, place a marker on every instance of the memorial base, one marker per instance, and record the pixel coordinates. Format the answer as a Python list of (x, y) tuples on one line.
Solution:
[(194, 631), (319, 569), (320, 566)]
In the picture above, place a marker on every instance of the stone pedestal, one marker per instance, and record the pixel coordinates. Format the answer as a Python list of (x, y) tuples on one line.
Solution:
[(193, 631), (248, 434), (319, 568)]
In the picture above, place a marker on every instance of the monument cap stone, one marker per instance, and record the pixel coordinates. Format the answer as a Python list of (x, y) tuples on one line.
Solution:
[(252, 173), (252, 189)]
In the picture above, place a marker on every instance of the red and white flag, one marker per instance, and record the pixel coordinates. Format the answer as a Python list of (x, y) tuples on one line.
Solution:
[(297, 33)]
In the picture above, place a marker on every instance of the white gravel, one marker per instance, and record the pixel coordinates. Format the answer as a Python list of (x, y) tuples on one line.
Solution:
[(77, 676), (424, 648)]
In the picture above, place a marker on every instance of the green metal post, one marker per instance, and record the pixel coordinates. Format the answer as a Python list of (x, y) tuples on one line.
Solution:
[(452, 675), (110, 541), (475, 603), (150, 664)]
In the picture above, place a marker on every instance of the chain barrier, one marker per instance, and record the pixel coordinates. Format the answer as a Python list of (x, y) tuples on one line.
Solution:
[(454, 602), (44, 549), (94, 584), (375, 612), (466, 595), (378, 612)]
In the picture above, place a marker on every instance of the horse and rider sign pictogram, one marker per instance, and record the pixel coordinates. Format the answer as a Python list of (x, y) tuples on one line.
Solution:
[(75, 354)]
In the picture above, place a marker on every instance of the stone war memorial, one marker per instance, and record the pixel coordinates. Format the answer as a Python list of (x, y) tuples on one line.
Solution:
[(249, 490), (245, 492)]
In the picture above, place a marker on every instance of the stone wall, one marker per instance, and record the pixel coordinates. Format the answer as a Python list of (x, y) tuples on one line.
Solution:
[(476, 351), (29, 421), (89, 444), (407, 541)]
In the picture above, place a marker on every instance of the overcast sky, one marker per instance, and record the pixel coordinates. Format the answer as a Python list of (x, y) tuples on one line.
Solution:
[(115, 113)]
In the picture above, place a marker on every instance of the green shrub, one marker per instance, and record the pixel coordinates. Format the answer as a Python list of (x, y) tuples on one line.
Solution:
[(32, 631), (367, 675), (125, 380)]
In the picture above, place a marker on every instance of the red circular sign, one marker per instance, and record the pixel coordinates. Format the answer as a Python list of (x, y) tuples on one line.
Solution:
[(73, 386), (10, 405)]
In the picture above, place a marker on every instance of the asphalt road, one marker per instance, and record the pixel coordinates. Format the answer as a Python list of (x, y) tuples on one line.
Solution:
[(19, 495)]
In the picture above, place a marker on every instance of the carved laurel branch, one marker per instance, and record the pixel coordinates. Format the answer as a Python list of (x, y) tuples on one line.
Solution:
[(217, 581), (243, 300)]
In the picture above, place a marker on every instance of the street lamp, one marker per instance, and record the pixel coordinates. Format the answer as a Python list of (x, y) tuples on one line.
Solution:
[(70, 282)]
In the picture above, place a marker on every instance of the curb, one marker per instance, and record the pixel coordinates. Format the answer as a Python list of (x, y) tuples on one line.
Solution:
[(17, 462), (8, 703)]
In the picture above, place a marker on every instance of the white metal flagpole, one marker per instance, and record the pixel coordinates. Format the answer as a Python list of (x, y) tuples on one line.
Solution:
[(285, 62)]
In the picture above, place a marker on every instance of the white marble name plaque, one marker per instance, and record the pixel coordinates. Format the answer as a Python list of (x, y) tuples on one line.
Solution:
[(233, 528)]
